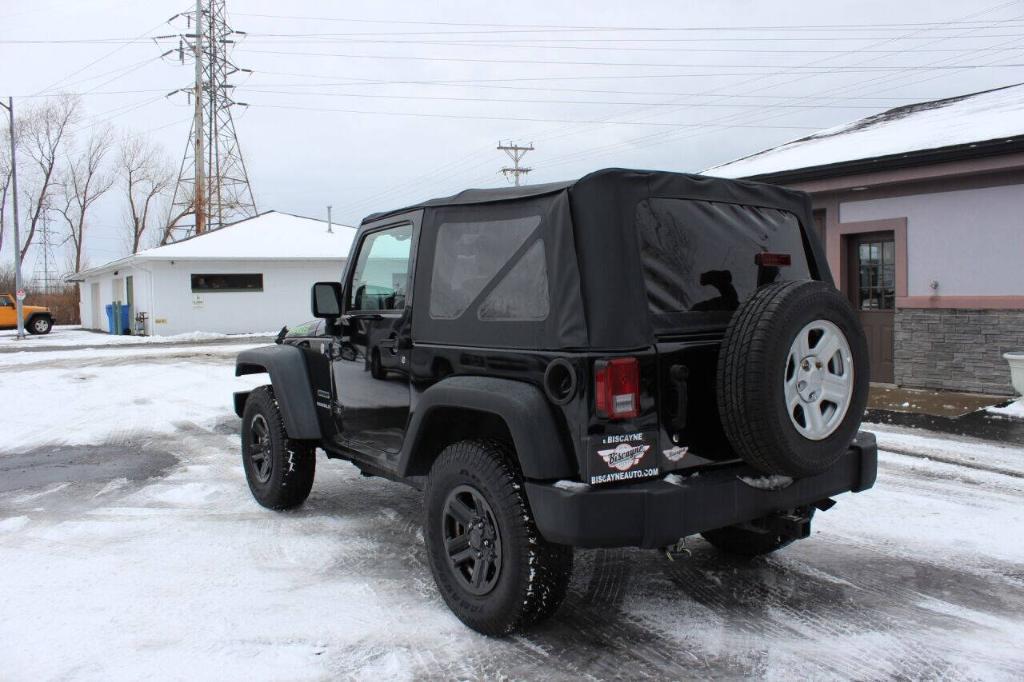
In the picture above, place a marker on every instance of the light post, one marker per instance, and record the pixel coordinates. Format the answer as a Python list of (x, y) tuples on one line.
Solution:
[(19, 294)]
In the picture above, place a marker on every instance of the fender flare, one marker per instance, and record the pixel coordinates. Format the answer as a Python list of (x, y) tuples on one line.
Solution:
[(290, 378), (32, 316), (542, 451)]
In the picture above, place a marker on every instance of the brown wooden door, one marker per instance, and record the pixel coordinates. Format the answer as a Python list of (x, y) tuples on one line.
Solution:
[(872, 289)]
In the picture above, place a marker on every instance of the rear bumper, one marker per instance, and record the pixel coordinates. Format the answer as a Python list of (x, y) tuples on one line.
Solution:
[(657, 513)]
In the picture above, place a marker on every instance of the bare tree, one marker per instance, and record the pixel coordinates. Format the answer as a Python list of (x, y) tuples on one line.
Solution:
[(45, 132), (147, 176), (5, 187), (83, 182)]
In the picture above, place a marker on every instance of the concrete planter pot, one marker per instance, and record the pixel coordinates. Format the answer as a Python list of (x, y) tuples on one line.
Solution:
[(1016, 360)]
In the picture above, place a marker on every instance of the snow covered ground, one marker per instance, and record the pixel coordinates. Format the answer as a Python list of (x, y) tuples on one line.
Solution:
[(74, 335), (1014, 409), (131, 548)]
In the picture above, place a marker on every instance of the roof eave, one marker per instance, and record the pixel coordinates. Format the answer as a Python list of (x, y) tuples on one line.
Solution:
[(959, 152), (100, 269)]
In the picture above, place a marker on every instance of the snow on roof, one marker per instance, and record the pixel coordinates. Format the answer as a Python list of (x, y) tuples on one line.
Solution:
[(269, 236), (978, 117)]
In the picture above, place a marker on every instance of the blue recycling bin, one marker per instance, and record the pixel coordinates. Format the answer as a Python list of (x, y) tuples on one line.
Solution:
[(126, 319)]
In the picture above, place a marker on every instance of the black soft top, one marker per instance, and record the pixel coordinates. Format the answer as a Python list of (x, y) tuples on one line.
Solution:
[(597, 290), (703, 187)]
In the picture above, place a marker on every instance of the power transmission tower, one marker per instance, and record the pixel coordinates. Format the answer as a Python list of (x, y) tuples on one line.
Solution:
[(213, 186), (48, 281), (516, 153)]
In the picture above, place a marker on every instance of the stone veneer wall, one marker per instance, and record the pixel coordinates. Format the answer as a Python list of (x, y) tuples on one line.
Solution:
[(959, 350)]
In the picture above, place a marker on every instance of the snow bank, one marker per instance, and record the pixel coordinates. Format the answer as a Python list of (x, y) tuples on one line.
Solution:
[(69, 357), (951, 449), (1014, 409), (76, 336)]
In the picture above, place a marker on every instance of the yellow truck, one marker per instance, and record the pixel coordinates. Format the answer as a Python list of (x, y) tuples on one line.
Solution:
[(38, 319)]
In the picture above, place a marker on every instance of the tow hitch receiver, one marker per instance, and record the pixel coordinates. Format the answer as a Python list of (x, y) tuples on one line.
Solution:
[(793, 525)]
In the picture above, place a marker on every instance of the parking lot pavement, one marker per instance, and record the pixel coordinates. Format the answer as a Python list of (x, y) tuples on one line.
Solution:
[(132, 548)]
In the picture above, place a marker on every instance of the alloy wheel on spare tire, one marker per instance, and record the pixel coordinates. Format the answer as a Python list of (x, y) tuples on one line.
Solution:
[(793, 378)]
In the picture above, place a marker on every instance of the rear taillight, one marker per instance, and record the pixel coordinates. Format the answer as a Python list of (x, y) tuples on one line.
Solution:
[(617, 388)]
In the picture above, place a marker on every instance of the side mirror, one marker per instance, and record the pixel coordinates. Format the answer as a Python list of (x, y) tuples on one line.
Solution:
[(326, 300)]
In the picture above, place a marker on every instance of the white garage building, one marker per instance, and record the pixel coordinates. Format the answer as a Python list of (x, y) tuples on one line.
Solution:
[(250, 276)]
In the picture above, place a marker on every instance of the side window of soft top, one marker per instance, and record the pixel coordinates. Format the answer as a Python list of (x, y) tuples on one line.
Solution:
[(380, 280), (498, 263)]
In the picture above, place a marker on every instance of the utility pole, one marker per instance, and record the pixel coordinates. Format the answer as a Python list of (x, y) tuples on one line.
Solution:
[(330, 226), (199, 191), (213, 187), (516, 153), (18, 294)]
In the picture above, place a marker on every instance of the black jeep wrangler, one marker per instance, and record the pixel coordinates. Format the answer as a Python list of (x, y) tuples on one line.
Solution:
[(623, 360)]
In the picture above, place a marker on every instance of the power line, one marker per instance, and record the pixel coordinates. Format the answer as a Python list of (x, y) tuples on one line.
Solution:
[(483, 60), (532, 43), (100, 59), (490, 83), (659, 137), (360, 95), (705, 124), (563, 27), (614, 48)]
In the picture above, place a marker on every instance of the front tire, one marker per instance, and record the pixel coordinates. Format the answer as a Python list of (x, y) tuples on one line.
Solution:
[(279, 470), (377, 370), (40, 325), (491, 566)]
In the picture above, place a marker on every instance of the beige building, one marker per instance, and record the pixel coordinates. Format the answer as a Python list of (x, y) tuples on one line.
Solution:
[(921, 209)]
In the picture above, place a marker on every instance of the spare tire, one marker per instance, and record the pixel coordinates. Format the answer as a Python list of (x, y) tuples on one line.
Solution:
[(793, 378)]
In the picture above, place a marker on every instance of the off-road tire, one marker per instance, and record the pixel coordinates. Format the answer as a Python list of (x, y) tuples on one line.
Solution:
[(39, 325), (293, 463), (751, 367), (377, 370), (534, 574)]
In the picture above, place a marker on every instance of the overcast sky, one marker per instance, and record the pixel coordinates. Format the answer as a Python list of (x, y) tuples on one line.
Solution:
[(365, 106)]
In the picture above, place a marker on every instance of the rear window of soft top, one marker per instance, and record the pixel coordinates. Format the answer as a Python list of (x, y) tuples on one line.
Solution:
[(698, 257)]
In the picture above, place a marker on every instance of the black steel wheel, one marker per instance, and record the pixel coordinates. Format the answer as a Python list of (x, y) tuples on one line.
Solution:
[(279, 470), (491, 565), (471, 540), (260, 448)]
